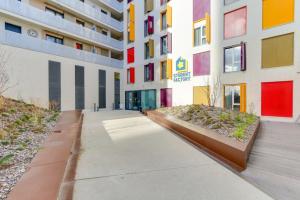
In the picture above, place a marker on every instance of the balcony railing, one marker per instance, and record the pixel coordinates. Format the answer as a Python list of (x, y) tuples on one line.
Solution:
[(113, 4), (93, 13), (35, 44), (19, 9)]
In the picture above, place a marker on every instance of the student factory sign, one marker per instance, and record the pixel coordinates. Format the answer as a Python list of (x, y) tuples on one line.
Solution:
[(182, 74)]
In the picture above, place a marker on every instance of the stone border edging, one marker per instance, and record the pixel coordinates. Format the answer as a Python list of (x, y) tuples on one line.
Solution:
[(50, 174), (233, 153)]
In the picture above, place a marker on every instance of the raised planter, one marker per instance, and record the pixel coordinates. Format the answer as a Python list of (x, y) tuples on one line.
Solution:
[(230, 151)]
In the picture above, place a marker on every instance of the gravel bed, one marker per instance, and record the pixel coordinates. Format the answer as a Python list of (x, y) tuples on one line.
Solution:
[(23, 129), (22, 158)]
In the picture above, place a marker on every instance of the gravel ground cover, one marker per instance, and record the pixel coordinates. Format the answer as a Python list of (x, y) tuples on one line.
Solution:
[(236, 125), (23, 128)]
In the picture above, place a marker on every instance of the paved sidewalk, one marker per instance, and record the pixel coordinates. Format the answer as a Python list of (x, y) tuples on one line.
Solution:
[(125, 156), (274, 163)]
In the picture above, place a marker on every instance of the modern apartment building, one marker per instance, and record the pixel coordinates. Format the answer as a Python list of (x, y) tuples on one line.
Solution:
[(240, 53), (64, 53), (143, 54)]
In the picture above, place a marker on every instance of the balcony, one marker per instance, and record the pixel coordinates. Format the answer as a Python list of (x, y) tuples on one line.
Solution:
[(92, 13), (26, 12), (26, 42), (113, 4)]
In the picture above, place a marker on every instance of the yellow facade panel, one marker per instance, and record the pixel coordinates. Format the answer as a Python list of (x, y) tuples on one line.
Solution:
[(201, 95), (277, 12)]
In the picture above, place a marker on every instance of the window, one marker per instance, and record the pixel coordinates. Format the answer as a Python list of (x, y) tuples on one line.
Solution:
[(277, 99), (235, 23), (13, 28), (103, 11), (79, 46), (79, 22), (147, 50), (163, 18), (277, 13), (278, 51), (104, 32), (235, 58), (149, 72), (54, 12), (54, 39), (200, 8), (235, 97), (130, 55), (201, 64), (163, 69), (130, 75), (200, 33), (163, 45)]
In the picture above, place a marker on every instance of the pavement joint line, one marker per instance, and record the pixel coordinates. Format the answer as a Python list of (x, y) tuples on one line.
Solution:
[(145, 172)]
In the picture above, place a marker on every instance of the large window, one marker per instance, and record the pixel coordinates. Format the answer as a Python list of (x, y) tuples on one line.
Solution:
[(54, 39), (235, 58), (277, 12), (278, 51), (200, 33), (235, 97), (13, 28), (235, 23)]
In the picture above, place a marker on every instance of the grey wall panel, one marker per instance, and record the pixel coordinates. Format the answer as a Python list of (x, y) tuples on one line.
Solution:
[(54, 73), (79, 88), (102, 89)]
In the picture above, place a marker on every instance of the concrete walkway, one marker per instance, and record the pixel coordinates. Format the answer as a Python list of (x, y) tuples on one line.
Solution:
[(274, 164), (125, 156)]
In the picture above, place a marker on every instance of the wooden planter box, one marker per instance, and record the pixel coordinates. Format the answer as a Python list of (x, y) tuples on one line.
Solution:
[(226, 149)]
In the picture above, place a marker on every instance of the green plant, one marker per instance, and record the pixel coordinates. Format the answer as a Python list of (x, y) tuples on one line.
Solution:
[(239, 132), (224, 117), (5, 114), (250, 119), (5, 160)]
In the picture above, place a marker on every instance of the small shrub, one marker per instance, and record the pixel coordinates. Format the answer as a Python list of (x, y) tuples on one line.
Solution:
[(239, 132), (5, 160)]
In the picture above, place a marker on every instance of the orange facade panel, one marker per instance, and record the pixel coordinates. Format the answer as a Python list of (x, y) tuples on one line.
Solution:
[(277, 12)]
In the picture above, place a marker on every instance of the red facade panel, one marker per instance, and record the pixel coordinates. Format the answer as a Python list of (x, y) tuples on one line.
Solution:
[(277, 99), (130, 55), (235, 23), (132, 75)]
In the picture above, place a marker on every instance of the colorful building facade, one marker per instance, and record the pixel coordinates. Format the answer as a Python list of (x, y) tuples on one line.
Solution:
[(236, 54)]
